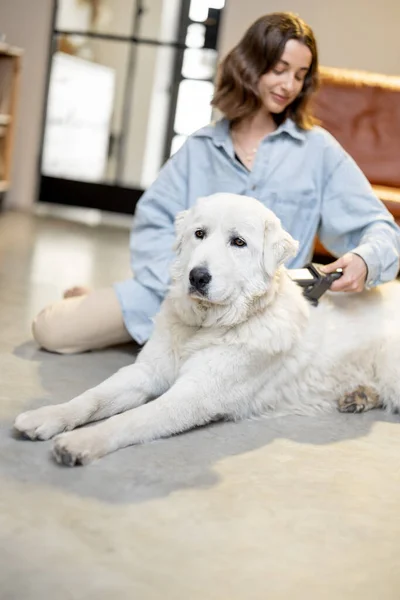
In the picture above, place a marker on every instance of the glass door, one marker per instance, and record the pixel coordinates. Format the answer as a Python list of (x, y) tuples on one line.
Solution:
[(128, 81)]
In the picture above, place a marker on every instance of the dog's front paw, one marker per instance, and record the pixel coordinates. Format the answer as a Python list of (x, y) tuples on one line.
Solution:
[(41, 424), (79, 447)]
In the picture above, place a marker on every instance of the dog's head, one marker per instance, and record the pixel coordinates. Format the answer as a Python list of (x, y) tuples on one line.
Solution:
[(229, 248)]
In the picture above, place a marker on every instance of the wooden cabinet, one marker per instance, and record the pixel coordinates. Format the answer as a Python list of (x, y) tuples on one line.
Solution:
[(10, 66)]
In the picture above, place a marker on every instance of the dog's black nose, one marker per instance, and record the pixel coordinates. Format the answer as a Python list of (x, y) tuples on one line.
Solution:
[(199, 278)]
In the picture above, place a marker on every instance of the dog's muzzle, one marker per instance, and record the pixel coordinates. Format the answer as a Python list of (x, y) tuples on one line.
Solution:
[(199, 278)]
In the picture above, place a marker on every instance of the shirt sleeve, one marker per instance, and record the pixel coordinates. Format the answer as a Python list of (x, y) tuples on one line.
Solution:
[(353, 219), (151, 242)]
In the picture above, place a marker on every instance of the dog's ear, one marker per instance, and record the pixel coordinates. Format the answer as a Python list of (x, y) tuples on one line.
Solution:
[(278, 246), (180, 224)]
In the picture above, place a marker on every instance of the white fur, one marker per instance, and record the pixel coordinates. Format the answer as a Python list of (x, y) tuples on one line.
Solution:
[(254, 346)]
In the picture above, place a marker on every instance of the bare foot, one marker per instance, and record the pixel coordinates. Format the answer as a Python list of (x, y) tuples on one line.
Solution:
[(76, 291)]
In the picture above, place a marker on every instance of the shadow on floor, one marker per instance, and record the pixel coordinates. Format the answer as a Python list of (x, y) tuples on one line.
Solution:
[(155, 470)]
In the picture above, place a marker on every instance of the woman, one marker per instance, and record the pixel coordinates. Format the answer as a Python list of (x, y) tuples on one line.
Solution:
[(266, 146)]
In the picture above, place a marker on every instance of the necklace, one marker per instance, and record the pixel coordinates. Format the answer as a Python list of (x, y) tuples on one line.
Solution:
[(248, 155)]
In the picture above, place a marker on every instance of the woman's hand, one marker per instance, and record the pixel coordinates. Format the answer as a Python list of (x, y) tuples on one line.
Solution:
[(354, 273)]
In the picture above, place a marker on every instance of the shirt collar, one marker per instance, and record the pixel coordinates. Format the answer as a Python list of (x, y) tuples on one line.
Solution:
[(219, 131), (289, 127)]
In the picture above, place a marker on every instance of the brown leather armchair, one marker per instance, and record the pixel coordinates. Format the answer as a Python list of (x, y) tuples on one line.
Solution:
[(362, 111)]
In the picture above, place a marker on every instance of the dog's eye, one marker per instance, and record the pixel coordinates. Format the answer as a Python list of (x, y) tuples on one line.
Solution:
[(239, 242), (200, 234)]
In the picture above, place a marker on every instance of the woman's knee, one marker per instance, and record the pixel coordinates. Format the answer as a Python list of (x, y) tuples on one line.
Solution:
[(47, 333), (81, 323)]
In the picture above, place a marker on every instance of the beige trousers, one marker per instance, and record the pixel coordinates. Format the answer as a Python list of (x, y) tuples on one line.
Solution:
[(81, 323)]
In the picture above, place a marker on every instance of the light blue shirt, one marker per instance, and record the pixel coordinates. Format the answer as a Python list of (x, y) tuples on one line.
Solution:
[(305, 177)]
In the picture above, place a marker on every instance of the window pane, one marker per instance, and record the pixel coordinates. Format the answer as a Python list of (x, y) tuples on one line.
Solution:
[(86, 137), (112, 17), (198, 10), (78, 119), (159, 20), (199, 63), (149, 113), (195, 36), (84, 112), (193, 109)]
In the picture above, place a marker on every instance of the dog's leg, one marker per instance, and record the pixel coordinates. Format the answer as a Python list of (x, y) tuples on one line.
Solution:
[(199, 397), (128, 388), (176, 411), (363, 398)]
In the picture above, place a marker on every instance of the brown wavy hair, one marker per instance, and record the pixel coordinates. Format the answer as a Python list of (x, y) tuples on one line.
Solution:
[(236, 92)]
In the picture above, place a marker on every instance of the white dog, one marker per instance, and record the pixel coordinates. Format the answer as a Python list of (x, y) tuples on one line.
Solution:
[(235, 338)]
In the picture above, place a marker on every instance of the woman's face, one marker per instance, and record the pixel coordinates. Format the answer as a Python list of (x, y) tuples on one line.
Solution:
[(282, 84)]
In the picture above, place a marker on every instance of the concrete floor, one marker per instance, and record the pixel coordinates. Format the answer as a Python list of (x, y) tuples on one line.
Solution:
[(285, 509)]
